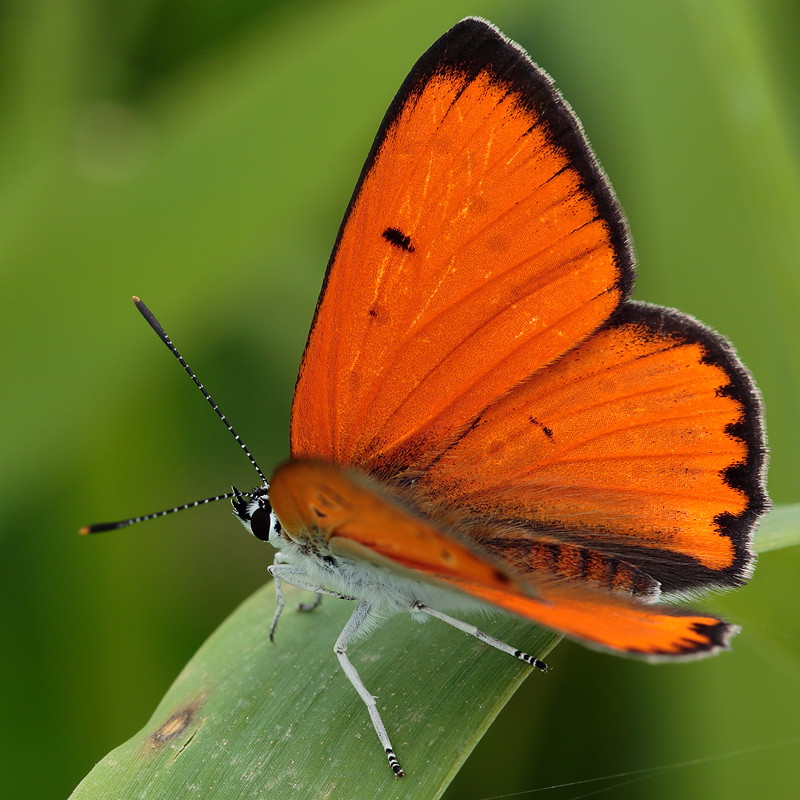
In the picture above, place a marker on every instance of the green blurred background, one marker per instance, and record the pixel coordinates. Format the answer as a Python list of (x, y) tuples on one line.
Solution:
[(200, 153)]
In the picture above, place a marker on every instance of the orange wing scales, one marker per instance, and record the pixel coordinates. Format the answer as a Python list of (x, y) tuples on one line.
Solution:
[(430, 332)]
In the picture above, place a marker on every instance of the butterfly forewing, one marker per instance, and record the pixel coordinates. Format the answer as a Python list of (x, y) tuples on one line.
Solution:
[(330, 508), (482, 243)]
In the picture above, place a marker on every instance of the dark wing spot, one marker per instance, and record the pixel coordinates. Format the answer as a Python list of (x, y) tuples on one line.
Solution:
[(717, 635), (501, 577), (398, 239), (545, 430)]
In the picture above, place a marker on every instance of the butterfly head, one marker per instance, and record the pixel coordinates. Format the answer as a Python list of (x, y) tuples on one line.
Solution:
[(255, 512)]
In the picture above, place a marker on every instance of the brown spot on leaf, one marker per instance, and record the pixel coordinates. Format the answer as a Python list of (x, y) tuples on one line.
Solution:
[(173, 727), (177, 723)]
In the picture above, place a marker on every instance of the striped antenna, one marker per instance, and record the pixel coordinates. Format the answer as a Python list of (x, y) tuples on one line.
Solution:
[(156, 326), (112, 526)]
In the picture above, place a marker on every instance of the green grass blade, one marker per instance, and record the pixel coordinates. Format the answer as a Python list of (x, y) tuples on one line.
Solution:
[(780, 528), (247, 718)]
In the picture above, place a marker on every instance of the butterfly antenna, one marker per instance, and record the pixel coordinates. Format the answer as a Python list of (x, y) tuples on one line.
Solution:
[(112, 526), (156, 326)]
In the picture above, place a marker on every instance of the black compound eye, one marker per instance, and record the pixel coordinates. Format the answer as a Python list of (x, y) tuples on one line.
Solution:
[(260, 524)]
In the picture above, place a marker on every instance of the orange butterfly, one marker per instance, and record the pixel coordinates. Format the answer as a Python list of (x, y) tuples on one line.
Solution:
[(482, 415)]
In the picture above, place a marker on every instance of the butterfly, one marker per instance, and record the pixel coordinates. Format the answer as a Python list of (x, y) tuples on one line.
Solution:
[(482, 416)]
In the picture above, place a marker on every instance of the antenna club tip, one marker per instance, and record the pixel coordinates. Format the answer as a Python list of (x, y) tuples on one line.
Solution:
[(85, 530), (136, 300)]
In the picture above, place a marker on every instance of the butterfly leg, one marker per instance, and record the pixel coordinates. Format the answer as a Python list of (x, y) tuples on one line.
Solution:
[(311, 606), (482, 637), (295, 576), (360, 615), (281, 559)]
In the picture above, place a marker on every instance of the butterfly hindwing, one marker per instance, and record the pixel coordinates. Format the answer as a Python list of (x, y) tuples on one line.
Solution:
[(645, 442), (482, 242)]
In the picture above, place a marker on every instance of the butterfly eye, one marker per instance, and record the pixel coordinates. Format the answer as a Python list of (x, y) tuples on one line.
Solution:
[(260, 524)]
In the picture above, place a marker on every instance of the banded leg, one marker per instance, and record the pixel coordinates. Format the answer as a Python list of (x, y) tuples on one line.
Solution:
[(360, 615), (482, 637)]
